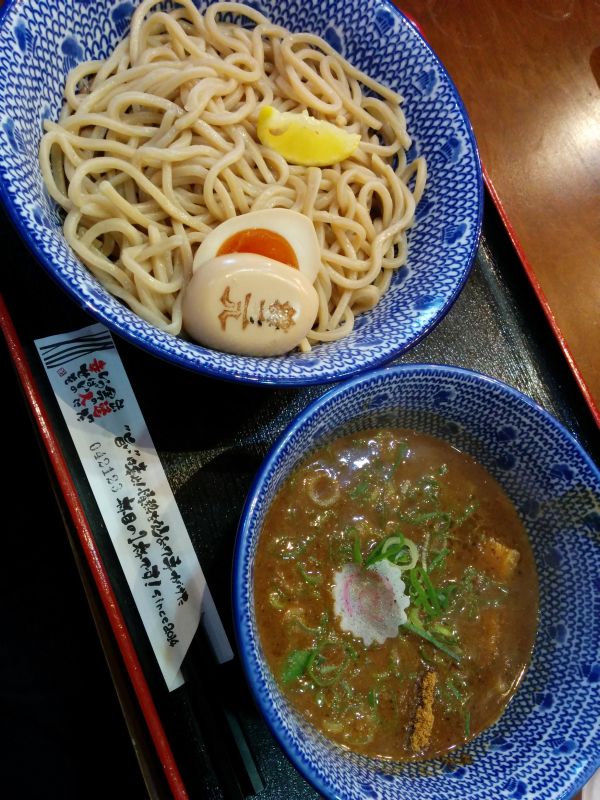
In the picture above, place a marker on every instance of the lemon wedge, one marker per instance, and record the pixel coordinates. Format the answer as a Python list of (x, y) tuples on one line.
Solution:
[(304, 140)]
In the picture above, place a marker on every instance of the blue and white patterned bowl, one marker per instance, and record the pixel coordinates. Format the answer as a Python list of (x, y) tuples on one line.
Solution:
[(547, 744), (41, 40)]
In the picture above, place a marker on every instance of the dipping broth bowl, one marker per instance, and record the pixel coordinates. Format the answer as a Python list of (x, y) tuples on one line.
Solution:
[(547, 743)]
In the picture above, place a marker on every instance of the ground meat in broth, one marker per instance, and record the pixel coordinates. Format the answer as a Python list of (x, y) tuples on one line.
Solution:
[(450, 671)]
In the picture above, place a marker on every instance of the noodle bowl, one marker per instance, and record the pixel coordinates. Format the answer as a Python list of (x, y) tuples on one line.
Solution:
[(157, 145)]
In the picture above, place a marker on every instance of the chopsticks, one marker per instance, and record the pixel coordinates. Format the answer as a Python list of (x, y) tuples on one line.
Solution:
[(212, 688)]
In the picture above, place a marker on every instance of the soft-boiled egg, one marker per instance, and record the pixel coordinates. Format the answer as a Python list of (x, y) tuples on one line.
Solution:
[(248, 304), (277, 233)]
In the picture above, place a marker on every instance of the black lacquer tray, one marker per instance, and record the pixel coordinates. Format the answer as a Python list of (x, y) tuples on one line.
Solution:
[(206, 739)]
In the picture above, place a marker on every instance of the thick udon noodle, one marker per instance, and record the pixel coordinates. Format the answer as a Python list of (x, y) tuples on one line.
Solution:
[(157, 145)]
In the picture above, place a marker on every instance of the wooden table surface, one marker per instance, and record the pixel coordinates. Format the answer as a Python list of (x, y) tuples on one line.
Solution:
[(529, 74)]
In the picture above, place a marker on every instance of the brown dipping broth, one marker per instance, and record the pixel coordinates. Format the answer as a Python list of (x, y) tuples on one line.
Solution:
[(474, 591)]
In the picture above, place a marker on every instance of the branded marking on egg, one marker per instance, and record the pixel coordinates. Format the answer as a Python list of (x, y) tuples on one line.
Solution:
[(248, 304)]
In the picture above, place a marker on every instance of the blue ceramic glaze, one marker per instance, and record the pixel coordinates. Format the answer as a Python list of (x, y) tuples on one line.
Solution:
[(41, 40), (547, 743)]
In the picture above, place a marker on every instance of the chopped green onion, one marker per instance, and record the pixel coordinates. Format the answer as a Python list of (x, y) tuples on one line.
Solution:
[(396, 549), (425, 550), (432, 640), (413, 615), (401, 454), (394, 542), (298, 662), (313, 579), (446, 594), (356, 552), (425, 657), (428, 516), (438, 558), (288, 555), (324, 620), (414, 555), (430, 589), (382, 676), (453, 690), (372, 699), (318, 672), (418, 593), (375, 555), (327, 669), (296, 620), (276, 601), (442, 630), (468, 512), (360, 490), (467, 724)]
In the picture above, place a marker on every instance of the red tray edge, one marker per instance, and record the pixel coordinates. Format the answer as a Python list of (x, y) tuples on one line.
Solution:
[(83, 529), (92, 555), (543, 300), (529, 272)]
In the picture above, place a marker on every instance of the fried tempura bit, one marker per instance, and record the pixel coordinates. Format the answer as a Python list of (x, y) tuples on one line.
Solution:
[(498, 560), (489, 638), (424, 716)]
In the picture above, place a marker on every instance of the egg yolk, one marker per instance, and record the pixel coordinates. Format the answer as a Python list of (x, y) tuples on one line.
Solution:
[(263, 242)]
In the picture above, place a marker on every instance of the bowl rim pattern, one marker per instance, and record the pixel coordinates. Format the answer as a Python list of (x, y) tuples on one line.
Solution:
[(240, 599), (247, 373)]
